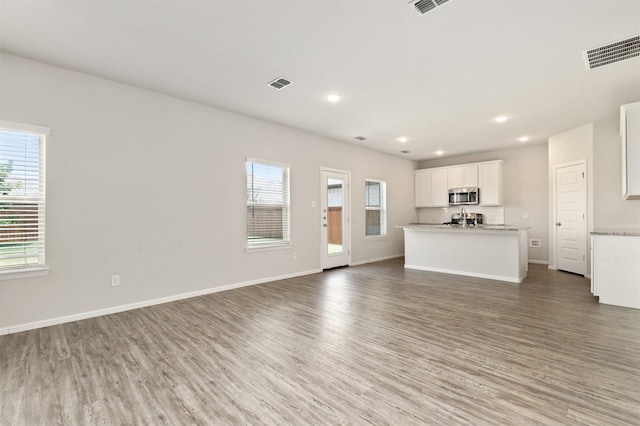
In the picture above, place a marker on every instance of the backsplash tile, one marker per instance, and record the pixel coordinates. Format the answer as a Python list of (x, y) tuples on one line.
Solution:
[(492, 215)]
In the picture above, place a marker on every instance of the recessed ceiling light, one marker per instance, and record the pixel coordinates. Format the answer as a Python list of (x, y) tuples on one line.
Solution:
[(524, 139), (403, 139), (501, 119), (440, 152), (334, 97)]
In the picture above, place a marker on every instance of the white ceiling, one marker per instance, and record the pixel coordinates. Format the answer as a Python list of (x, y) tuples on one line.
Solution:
[(440, 78)]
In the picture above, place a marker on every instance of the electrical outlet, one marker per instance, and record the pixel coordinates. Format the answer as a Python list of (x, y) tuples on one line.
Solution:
[(535, 243), (115, 280)]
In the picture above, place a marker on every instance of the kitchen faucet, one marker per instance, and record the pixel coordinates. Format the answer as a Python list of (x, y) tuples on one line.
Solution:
[(463, 215)]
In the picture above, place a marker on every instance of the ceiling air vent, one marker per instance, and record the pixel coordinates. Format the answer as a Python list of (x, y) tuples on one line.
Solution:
[(612, 52), (280, 83), (424, 6)]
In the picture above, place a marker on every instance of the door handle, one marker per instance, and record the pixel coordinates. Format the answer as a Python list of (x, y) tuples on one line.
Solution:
[(558, 224)]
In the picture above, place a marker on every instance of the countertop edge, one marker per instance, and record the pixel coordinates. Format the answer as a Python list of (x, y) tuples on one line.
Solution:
[(498, 228), (621, 232)]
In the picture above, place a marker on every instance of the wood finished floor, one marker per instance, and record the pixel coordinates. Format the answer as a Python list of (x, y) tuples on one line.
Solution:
[(373, 344)]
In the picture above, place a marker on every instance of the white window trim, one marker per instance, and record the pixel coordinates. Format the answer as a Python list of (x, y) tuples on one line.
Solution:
[(280, 245), (376, 237), (29, 271), (382, 208), (269, 247), (25, 128), (24, 273)]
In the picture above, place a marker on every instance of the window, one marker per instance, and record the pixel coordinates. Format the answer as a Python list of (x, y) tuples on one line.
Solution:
[(375, 207), (267, 204), (22, 197)]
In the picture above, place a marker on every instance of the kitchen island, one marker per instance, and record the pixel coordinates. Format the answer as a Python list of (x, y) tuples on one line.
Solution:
[(497, 252), (615, 266)]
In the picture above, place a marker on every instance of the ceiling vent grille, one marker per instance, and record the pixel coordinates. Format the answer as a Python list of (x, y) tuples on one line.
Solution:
[(424, 6), (280, 83), (612, 52)]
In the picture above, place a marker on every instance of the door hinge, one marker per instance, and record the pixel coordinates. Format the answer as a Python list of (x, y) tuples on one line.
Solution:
[(582, 175)]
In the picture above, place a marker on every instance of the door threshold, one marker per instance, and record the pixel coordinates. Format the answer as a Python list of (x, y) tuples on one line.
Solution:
[(335, 267)]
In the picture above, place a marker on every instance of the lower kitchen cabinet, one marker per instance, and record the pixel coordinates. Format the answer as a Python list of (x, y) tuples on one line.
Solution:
[(615, 267)]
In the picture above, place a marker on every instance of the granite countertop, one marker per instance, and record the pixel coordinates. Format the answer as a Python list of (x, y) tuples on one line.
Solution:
[(427, 226), (623, 232)]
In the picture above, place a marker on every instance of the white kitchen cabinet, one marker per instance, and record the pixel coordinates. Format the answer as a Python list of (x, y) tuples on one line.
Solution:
[(496, 254), (432, 185), (490, 183), (439, 189), (630, 135), (465, 176), (615, 270), (431, 188), (423, 188)]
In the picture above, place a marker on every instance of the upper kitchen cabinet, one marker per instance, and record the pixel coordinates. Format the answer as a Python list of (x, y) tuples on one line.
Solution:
[(432, 185), (630, 135), (439, 189), (490, 183), (431, 188), (423, 188), (462, 176)]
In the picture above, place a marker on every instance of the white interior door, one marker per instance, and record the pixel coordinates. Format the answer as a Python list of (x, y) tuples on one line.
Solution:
[(571, 223), (335, 219)]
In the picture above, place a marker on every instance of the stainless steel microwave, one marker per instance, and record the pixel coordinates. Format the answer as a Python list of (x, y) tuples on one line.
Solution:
[(463, 196)]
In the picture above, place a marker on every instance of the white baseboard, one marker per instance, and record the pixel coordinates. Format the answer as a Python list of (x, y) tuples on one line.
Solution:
[(468, 274), (539, 262), (145, 303), (377, 259)]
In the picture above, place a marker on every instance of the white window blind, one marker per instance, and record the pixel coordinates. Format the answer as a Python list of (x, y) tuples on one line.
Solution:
[(268, 205), (22, 199), (375, 208)]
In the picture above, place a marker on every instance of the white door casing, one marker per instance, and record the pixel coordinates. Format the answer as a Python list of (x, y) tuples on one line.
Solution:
[(335, 222), (570, 217)]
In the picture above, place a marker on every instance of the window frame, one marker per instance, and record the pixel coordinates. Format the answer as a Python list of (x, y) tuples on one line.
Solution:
[(382, 209), (41, 268), (285, 242)]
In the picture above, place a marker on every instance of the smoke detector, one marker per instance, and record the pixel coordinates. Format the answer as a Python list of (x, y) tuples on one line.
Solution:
[(424, 6), (612, 52)]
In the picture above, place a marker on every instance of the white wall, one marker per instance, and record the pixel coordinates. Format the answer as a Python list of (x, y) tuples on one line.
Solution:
[(610, 208), (152, 188), (567, 147), (525, 189)]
